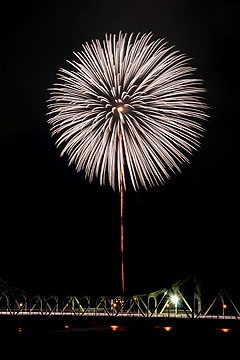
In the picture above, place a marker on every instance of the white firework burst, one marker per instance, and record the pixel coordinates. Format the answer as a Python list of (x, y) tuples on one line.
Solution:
[(131, 105)]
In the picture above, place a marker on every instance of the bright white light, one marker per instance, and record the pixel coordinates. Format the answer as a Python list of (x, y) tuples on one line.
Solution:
[(174, 299), (136, 86)]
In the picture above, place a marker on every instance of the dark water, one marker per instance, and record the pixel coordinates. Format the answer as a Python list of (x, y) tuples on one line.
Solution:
[(116, 338)]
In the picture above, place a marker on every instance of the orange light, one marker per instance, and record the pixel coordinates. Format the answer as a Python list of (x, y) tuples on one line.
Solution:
[(114, 327), (224, 330), (114, 304), (168, 305), (20, 304), (66, 327), (224, 306), (120, 108), (20, 329), (167, 328)]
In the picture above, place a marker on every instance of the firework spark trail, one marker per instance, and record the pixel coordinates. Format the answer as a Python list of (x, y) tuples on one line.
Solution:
[(128, 104), (121, 191), (135, 86)]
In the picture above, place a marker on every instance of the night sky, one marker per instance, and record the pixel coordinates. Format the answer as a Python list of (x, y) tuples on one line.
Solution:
[(60, 234)]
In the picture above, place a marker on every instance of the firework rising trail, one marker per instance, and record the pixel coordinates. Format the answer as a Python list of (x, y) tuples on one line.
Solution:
[(135, 88)]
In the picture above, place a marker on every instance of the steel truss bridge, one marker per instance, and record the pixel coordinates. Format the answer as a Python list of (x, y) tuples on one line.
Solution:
[(174, 302)]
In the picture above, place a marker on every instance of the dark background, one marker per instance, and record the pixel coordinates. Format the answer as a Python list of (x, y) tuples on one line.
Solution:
[(60, 234)]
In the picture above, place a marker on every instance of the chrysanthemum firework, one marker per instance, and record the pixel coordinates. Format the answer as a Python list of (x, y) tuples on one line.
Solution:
[(130, 104)]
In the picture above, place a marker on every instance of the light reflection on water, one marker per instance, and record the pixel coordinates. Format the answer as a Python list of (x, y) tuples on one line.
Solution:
[(117, 340)]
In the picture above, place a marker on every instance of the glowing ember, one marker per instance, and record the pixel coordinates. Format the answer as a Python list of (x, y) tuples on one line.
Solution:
[(167, 328), (114, 327), (225, 330)]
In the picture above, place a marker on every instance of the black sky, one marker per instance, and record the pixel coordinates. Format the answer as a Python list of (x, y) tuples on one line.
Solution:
[(61, 234)]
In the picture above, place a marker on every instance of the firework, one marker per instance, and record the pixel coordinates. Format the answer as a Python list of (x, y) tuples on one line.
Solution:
[(129, 105)]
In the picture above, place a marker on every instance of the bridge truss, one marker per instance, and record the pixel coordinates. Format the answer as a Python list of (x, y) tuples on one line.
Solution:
[(175, 301)]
